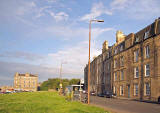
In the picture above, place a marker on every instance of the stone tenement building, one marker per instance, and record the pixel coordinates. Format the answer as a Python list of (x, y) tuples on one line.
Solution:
[(131, 67), (25, 82)]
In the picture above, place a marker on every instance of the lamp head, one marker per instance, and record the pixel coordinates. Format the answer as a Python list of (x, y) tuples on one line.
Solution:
[(100, 20)]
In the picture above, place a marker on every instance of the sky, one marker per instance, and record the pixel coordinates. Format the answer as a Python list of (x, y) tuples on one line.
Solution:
[(36, 36)]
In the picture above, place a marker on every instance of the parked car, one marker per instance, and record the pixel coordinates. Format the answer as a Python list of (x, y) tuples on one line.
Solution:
[(93, 93), (84, 92), (101, 95), (109, 94)]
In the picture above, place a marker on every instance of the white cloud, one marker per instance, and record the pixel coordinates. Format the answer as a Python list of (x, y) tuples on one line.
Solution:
[(22, 55), (75, 56), (41, 11), (52, 1), (60, 16), (120, 4), (136, 9), (68, 32), (8, 69), (26, 7), (97, 10)]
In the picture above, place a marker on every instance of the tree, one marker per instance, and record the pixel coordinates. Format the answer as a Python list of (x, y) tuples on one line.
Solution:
[(54, 83)]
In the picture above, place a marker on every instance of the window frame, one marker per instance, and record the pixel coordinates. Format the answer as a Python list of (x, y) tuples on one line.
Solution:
[(135, 89), (115, 63), (114, 90), (146, 34), (146, 75), (147, 89), (115, 76), (136, 39), (147, 51), (121, 90), (136, 55), (122, 61), (122, 77), (136, 70)]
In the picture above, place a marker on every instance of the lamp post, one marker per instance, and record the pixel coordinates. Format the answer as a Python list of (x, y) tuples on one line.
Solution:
[(60, 76), (89, 56)]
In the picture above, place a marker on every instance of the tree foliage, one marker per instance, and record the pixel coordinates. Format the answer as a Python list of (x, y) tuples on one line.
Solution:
[(55, 82)]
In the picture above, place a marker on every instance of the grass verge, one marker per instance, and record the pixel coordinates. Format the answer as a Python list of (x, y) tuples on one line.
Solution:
[(42, 102)]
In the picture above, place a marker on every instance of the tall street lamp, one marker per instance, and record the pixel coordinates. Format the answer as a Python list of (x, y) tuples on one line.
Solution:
[(89, 56), (60, 76)]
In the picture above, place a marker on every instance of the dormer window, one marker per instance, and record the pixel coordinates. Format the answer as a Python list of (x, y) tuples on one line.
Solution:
[(136, 39), (108, 54), (115, 51), (146, 34), (121, 48)]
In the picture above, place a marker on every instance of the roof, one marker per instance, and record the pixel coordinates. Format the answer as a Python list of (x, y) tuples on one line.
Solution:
[(30, 75)]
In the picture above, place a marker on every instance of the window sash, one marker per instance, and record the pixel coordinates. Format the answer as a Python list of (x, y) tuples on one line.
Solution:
[(146, 34), (147, 51), (136, 56), (115, 63), (147, 89), (136, 39), (121, 90), (122, 61), (136, 72), (115, 76), (147, 70), (136, 89), (122, 75), (114, 90)]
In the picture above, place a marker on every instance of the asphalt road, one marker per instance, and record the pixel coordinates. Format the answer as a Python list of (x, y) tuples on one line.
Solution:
[(125, 106)]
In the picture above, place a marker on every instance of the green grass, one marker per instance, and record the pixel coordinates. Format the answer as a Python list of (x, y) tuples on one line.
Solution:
[(42, 102)]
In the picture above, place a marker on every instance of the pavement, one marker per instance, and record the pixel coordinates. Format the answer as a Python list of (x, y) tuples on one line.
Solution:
[(124, 106)]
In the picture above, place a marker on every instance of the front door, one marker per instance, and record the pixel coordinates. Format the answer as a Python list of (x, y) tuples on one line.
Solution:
[(128, 91)]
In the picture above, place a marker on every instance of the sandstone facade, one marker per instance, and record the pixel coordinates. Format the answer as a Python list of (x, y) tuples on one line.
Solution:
[(131, 67), (25, 82)]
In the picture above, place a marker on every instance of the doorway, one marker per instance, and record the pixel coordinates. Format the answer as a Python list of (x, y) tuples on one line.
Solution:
[(128, 91)]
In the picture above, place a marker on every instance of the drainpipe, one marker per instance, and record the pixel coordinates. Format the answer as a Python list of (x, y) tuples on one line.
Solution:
[(142, 71)]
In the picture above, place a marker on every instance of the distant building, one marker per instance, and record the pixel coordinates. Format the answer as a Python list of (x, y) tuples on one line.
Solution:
[(6, 88), (25, 82), (131, 67)]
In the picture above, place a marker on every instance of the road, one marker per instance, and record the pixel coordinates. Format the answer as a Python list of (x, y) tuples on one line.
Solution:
[(125, 106)]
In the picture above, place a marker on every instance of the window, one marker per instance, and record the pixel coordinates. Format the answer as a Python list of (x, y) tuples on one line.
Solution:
[(108, 66), (147, 89), (147, 51), (136, 72), (146, 34), (136, 39), (121, 90), (115, 76), (121, 61), (121, 48), (109, 54), (114, 90), (147, 70), (115, 63), (135, 89), (115, 51), (136, 56), (122, 75)]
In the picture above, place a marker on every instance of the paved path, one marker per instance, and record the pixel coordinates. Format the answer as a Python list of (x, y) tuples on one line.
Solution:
[(125, 106)]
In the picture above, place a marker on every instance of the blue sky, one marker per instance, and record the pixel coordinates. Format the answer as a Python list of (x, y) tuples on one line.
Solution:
[(37, 35)]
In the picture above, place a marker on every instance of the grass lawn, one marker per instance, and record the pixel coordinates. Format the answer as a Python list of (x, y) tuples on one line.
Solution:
[(42, 102)]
